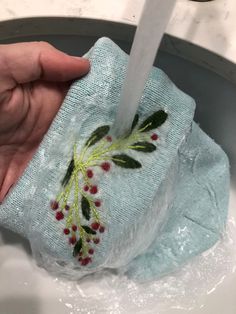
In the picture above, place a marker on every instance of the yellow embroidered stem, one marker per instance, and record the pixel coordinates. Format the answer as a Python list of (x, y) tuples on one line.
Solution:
[(146, 127), (99, 147), (83, 171), (69, 218), (76, 200), (119, 144)]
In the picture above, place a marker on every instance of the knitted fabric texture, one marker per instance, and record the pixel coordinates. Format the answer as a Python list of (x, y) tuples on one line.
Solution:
[(144, 204)]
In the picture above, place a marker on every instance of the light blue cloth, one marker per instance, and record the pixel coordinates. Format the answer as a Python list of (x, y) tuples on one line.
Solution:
[(156, 217), (198, 213)]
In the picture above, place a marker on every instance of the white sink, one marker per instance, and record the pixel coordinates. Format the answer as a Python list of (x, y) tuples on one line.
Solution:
[(25, 289)]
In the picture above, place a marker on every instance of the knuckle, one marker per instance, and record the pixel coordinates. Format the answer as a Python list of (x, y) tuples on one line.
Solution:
[(44, 45)]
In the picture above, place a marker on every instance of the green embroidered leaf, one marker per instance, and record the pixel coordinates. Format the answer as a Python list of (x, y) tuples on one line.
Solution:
[(77, 247), (154, 121), (88, 230), (125, 161), (144, 147), (85, 206), (97, 135), (135, 122), (69, 172)]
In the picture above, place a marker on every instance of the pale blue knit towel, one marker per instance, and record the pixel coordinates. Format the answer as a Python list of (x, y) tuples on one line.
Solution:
[(151, 212)]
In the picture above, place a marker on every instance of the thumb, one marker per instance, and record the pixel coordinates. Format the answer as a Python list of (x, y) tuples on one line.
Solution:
[(25, 62)]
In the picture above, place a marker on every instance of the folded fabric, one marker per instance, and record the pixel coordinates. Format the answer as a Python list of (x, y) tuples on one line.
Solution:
[(143, 204)]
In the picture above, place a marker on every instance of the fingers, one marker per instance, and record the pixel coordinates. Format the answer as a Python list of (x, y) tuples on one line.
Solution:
[(26, 62)]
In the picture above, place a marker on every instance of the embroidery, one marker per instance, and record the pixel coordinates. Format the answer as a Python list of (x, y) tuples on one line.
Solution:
[(77, 202)]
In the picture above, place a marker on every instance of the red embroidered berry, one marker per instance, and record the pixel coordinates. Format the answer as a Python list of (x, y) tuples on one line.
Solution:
[(80, 253), (54, 205), (66, 231), (89, 173), (95, 225), (97, 203), (59, 215), (154, 137), (93, 189), (85, 261), (91, 251), (72, 240), (101, 229), (74, 228), (86, 188), (109, 138), (67, 207), (105, 166), (96, 240), (88, 240), (82, 262)]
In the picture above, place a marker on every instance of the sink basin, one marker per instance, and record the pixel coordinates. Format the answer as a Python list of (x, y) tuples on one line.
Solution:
[(26, 289)]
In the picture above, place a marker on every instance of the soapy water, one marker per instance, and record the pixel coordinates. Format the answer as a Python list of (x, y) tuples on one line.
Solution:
[(110, 293)]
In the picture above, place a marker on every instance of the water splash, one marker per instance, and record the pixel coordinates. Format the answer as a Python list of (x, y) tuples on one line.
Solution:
[(153, 22)]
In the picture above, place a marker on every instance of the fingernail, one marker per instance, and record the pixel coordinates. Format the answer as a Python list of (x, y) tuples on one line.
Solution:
[(81, 59)]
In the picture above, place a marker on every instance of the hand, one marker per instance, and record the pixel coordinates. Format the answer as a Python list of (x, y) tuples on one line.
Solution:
[(34, 79)]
